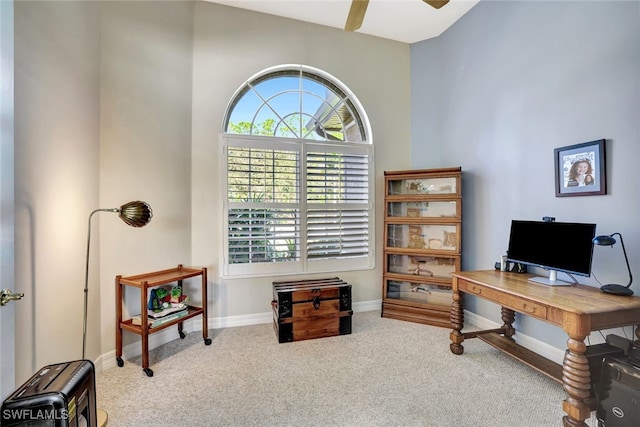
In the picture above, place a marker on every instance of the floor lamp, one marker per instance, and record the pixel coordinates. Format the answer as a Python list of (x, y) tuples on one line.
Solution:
[(135, 214)]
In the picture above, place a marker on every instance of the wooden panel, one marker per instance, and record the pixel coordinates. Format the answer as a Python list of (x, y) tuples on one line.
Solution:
[(295, 319), (555, 316), (288, 330), (308, 309), (618, 318), (162, 277), (321, 323), (310, 294), (434, 315), (521, 305)]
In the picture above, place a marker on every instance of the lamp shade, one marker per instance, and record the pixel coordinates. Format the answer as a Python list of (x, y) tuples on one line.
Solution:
[(604, 240), (136, 214)]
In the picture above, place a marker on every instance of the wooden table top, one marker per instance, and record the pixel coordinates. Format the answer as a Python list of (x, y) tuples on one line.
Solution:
[(576, 298)]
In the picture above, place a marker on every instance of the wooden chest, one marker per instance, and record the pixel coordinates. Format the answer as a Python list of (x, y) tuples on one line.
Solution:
[(307, 309)]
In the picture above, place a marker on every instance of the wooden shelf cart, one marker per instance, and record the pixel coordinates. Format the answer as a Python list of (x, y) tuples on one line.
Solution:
[(144, 282)]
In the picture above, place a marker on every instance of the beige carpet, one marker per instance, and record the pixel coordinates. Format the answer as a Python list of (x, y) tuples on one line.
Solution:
[(386, 373)]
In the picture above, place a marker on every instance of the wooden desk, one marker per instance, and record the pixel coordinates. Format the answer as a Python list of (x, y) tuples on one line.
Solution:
[(577, 309)]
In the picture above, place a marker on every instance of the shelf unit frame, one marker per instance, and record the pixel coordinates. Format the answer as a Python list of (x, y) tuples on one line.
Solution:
[(147, 281), (407, 202)]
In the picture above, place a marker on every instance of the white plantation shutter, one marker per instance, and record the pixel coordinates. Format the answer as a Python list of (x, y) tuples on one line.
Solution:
[(259, 234), (337, 233), (337, 205), (285, 215), (263, 215), (268, 174)]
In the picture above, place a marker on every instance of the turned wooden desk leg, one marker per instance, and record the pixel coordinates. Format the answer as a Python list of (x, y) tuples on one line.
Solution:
[(576, 381), (457, 323), (508, 317)]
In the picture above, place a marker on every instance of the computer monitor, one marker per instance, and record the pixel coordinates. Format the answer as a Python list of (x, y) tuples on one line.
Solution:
[(554, 246)]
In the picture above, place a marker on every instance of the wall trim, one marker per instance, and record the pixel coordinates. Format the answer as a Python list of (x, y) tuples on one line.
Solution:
[(550, 352), (132, 350)]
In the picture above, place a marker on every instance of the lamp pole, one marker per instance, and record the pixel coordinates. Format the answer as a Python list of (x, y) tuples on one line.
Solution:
[(86, 280), (134, 214)]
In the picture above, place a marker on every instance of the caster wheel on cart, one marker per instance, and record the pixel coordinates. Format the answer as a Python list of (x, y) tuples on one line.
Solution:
[(119, 361), (148, 371), (182, 335), (207, 341)]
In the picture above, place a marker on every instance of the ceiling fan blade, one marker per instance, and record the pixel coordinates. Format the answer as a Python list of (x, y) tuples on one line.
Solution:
[(436, 3), (356, 14)]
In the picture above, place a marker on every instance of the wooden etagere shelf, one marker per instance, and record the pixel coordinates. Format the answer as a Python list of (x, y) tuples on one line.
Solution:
[(147, 281), (422, 243)]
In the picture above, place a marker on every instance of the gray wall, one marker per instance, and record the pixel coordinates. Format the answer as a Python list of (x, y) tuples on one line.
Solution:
[(118, 101), (503, 87), (145, 144), (230, 46), (103, 116), (57, 138)]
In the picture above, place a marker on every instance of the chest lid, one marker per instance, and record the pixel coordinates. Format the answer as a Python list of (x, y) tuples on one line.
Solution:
[(288, 293)]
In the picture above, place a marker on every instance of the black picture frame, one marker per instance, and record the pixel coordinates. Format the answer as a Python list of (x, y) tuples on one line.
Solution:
[(590, 156)]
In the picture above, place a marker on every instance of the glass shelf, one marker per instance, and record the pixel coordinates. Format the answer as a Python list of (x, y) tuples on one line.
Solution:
[(447, 185), (419, 292), (430, 209), (423, 266), (423, 237)]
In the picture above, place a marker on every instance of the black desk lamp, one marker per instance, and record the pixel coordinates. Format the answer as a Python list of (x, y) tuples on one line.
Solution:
[(613, 288)]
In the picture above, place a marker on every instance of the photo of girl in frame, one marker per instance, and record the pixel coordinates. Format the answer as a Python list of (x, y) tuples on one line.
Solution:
[(580, 169)]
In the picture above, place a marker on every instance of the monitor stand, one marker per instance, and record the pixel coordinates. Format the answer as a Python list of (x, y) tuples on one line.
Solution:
[(552, 280)]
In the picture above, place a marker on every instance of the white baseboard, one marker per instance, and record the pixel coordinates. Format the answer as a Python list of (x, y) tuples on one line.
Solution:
[(134, 349), (552, 353), (108, 360), (260, 318)]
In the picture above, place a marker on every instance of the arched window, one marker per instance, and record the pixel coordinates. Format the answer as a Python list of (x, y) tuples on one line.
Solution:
[(298, 164)]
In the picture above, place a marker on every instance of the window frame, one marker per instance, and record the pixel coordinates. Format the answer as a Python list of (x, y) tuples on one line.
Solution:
[(302, 147)]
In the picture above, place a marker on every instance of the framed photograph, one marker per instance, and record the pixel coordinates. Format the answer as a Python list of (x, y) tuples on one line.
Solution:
[(580, 169)]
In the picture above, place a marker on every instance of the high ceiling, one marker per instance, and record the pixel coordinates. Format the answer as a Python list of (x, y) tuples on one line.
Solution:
[(407, 21)]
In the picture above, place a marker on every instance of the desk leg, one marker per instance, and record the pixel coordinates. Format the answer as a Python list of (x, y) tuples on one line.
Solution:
[(508, 317), (457, 322), (576, 381)]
